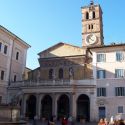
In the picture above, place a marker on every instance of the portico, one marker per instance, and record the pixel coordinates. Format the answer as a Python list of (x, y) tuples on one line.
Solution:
[(60, 102)]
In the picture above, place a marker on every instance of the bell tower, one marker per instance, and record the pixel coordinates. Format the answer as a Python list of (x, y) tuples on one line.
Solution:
[(92, 25)]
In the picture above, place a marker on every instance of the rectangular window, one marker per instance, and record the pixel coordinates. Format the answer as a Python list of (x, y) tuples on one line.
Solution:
[(2, 75), (101, 57), (17, 55), (14, 78), (119, 56), (101, 92), (100, 74), (120, 109), (0, 99), (120, 91), (119, 73), (0, 46), (5, 49)]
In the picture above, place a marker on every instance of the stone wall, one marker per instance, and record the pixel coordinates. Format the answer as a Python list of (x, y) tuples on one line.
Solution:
[(9, 113)]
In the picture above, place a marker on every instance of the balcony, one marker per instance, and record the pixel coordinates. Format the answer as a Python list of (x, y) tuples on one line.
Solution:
[(86, 82)]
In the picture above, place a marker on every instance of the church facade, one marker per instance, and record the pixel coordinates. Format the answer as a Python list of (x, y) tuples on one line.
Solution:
[(83, 82)]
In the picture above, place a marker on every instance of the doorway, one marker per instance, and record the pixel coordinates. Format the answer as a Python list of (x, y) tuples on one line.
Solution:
[(83, 107), (63, 106)]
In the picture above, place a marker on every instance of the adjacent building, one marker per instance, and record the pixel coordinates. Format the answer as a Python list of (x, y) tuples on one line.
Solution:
[(109, 74), (13, 52), (85, 82)]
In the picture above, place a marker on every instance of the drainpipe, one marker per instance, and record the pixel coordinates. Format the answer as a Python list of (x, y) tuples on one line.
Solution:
[(11, 63), (10, 67)]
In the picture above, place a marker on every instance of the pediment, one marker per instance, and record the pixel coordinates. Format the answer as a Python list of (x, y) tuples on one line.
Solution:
[(61, 50)]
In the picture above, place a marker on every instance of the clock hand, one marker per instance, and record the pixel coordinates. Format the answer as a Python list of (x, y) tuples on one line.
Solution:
[(91, 39)]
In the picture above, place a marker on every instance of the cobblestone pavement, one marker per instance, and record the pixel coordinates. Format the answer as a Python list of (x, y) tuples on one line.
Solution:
[(59, 123)]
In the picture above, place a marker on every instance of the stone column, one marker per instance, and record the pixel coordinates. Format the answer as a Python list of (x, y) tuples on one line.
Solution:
[(70, 104), (93, 114), (23, 105), (37, 105), (73, 105), (40, 104), (54, 104)]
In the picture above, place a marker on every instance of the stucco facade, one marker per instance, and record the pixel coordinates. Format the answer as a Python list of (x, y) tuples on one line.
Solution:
[(13, 53), (110, 101)]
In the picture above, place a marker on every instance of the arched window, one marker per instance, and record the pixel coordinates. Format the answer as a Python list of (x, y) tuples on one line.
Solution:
[(87, 15), (51, 74), (60, 73), (17, 55), (91, 26), (2, 75), (14, 78), (0, 46), (93, 14), (5, 49)]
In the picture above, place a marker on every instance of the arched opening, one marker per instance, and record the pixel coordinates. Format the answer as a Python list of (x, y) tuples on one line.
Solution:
[(63, 106), (20, 104), (51, 74), (46, 110), (91, 26), (60, 73), (83, 107), (93, 14), (31, 107), (87, 15), (15, 78), (17, 55)]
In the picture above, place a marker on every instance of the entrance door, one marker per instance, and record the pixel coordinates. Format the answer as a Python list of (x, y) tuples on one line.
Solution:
[(83, 107), (101, 112), (31, 107), (63, 106), (46, 110)]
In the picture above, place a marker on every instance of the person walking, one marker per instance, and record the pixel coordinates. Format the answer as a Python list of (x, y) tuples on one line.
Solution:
[(64, 121), (101, 122), (106, 121)]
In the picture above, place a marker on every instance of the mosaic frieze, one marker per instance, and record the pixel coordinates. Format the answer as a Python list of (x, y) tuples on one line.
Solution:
[(62, 62)]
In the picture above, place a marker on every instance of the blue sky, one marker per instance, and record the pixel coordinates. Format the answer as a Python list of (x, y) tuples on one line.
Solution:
[(43, 23)]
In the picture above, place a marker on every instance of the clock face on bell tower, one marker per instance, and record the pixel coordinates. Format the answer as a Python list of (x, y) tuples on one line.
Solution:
[(92, 25)]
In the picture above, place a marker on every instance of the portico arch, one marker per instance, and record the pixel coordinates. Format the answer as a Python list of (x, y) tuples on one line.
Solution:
[(63, 106), (83, 107), (31, 107), (46, 110)]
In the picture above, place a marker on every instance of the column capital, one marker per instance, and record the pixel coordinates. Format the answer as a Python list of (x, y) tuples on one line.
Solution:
[(25, 96)]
